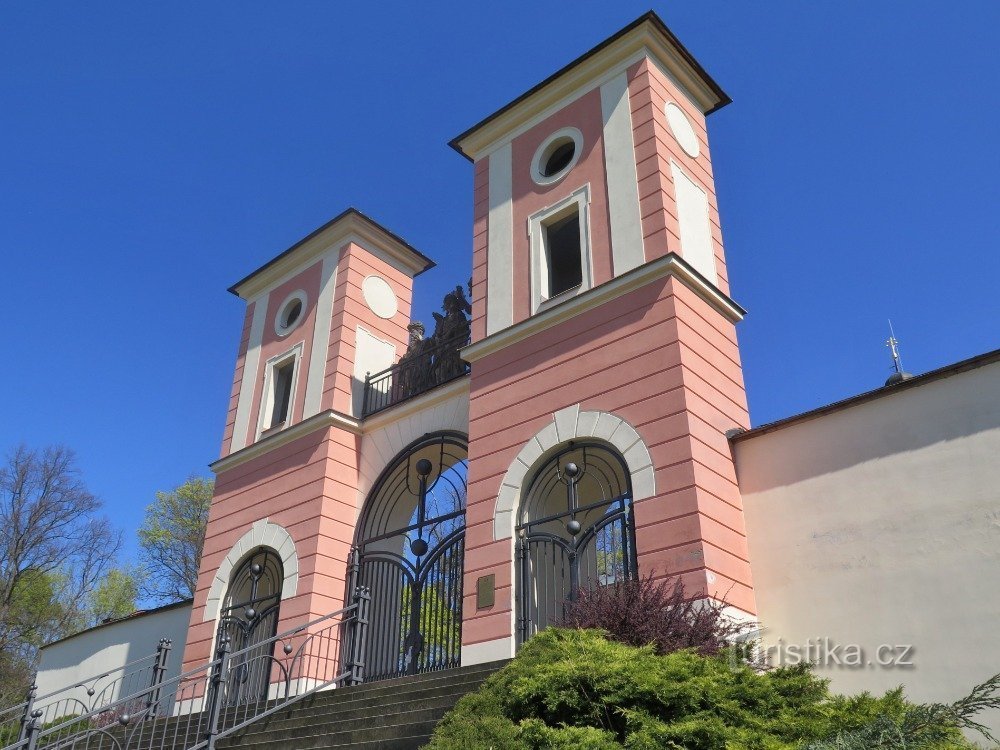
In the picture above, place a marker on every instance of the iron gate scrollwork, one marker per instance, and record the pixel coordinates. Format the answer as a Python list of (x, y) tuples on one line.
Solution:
[(575, 530), (249, 621), (409, 552)]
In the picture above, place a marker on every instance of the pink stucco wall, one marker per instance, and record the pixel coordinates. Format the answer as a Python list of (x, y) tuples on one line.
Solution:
[(655, 147), (350, 310), (528, 198), (307, 486), (480, 248), (664, 361), (272, 344)]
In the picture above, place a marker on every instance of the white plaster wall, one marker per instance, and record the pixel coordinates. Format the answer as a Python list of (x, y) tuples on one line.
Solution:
[(388, 433), (109, 647), (880, 524)]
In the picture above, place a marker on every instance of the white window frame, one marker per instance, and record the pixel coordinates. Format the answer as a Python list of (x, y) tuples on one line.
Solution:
[(541, 152), (578, 200), (267, 395), (283, 330)]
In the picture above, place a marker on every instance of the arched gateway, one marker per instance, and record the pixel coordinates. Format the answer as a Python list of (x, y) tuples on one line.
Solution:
[(575, 529), (409, 551)]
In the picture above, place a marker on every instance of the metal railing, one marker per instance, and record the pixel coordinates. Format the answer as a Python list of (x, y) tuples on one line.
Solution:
[(416, 373), (194, 710), (84, 696)]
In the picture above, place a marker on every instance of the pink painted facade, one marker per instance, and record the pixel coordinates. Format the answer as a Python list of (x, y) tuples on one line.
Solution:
[(646, 340), (308, 486)]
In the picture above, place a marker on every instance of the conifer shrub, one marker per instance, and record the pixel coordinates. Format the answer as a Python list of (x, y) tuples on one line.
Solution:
[(571, 688)]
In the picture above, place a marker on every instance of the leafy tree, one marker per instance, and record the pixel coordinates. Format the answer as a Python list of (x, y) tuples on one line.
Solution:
[(54, 551), (573, 688), (115, 596), (171, 538)]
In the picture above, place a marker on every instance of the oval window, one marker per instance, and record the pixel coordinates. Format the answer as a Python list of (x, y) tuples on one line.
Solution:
[(290, 313), (557, 155)]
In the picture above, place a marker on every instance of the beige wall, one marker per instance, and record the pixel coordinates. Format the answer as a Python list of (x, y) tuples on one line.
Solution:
[(878, 524)]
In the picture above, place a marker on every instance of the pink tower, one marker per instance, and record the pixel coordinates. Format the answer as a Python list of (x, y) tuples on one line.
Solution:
[(587, 446), (330, 309), (605, 365)]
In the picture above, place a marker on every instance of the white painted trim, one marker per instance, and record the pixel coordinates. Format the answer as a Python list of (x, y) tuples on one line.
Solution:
[(280, 330), (580, 199), (500, 242), (416, 404), (487, 651), (537, 176), (333, 238), (694, 222), (321, 421), (262, 533), (330, 418), (267, 394), (249, 380), (372, 286), (627, 250), (321, 337), (591, 73), (368, 360), (669, 265), (681, 129), (570, 424)]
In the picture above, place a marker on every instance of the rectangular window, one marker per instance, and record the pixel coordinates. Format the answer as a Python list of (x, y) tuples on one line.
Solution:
[(278, 398), (282, 379), (562, 254), (560, 250)]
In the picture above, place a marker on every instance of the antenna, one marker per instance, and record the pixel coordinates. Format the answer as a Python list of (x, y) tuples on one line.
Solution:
[(893, 345), (897, 362)]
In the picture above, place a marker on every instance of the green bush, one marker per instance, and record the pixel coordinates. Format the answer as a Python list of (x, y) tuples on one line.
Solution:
[(577, 689)]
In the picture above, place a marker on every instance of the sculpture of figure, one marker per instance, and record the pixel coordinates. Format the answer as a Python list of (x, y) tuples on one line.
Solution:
[(414, 365), (451, 333)]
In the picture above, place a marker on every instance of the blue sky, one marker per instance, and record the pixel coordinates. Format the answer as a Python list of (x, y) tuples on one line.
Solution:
[(152, 154)]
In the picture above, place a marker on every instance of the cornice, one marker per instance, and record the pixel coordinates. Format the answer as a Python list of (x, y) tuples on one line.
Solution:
[(416, 404), (669, 265), (648, 36), (350, 226), (321, 421), (331, 418)]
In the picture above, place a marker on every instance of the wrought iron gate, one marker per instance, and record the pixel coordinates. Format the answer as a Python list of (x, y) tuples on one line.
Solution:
[(250, 620), (414, 571), (575, 530)]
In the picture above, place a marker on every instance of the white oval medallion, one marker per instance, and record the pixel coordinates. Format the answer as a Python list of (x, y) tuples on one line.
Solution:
[(683, 132), (379, 296)]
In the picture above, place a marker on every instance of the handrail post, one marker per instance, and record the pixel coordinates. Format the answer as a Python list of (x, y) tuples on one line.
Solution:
[(29, 706), (362, 597), (220, 673), (159, 669), (32, 729), (364, 399)]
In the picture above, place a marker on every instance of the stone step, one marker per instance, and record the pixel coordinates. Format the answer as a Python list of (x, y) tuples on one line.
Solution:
[(330, 712), (375, 722), (396, 714), (402, 736)]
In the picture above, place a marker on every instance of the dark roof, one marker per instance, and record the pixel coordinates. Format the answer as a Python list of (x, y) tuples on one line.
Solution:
[(887, 390), (132, 616), (648, 16), (349, 212)]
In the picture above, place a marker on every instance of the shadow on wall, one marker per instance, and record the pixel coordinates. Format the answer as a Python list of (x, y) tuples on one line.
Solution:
[(946, 409), (107, 648)]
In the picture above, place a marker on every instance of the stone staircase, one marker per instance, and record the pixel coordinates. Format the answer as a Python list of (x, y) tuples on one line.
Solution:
[(395, 714)]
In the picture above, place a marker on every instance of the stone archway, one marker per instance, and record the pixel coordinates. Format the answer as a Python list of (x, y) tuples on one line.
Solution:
[(572, 424)]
